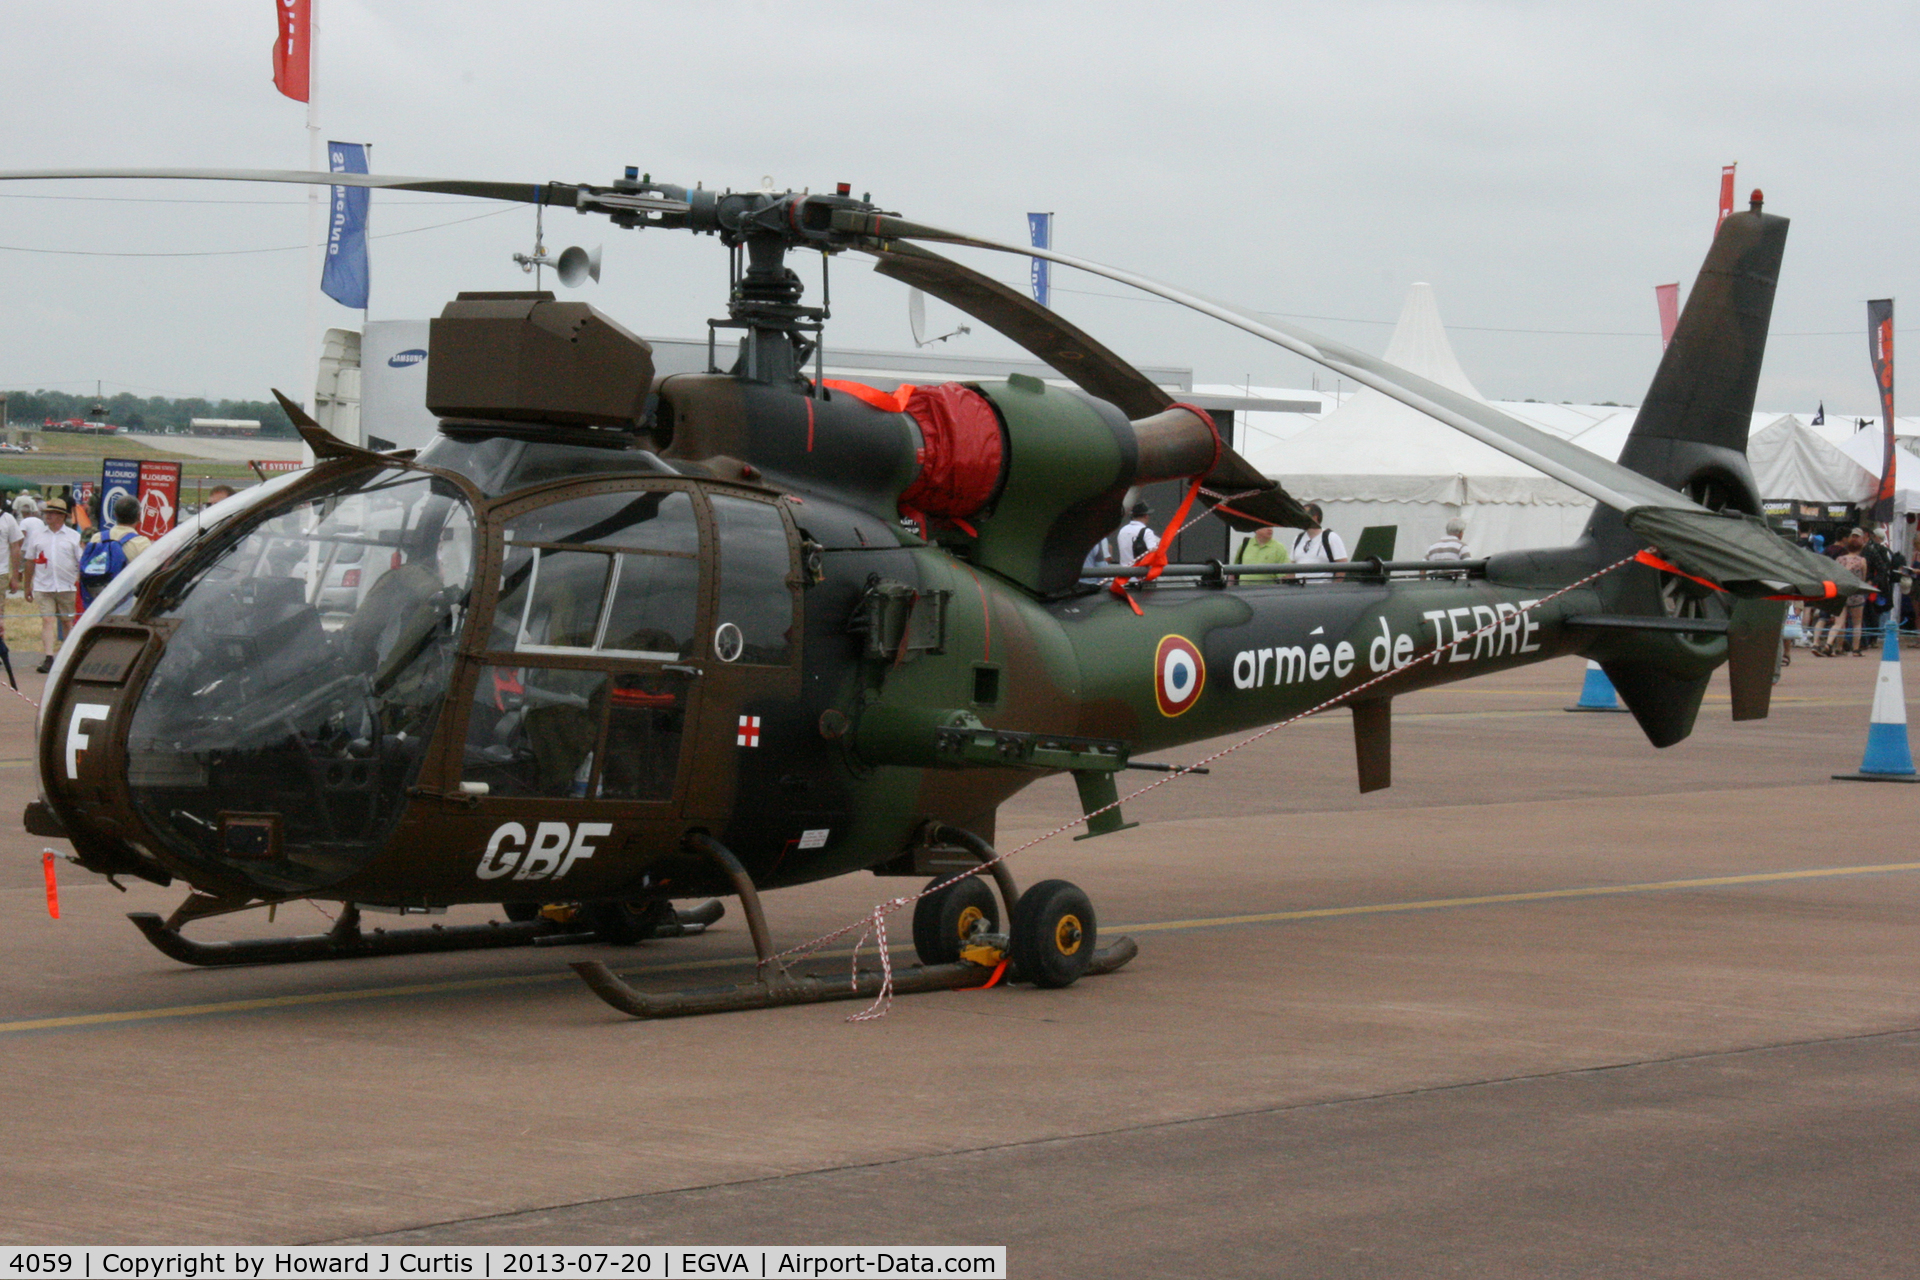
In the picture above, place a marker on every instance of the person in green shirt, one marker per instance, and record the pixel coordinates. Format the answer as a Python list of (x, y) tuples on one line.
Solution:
[(1261, 548)]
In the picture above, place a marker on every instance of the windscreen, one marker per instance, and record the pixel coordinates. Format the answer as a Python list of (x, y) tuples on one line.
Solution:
[(310, 658)]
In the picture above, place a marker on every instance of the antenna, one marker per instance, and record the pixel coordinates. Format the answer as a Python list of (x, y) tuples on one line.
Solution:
[(917, 320)]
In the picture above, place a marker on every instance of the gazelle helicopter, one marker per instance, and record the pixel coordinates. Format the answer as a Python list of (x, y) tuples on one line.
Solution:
[(614, 641)]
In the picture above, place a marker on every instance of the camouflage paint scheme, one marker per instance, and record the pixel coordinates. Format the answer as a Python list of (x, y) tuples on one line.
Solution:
[(844, 771)]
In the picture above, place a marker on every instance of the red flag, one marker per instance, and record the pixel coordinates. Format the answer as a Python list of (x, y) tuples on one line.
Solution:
[(1880, 348), (1726, 179), (1668, 296), (290, 50)]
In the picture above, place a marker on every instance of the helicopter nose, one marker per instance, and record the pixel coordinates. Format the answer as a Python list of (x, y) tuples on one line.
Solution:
[(82, 752)]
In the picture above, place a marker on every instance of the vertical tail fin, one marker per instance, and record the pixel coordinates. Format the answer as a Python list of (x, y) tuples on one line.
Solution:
[(1691, 432)]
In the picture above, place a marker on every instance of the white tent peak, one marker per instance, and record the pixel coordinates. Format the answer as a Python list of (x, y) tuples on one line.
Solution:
[(1420, 345), (1376, 461)]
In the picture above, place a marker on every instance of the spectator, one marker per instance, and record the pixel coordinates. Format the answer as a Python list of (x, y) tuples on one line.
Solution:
[(55, 554), (111, 550), (1848, 624), (1261, 548), (1095, 562), (10, 547), (27, 511), (1454, 545), (1315, 545), (1136, 537), (1879, 575), (219, 493)]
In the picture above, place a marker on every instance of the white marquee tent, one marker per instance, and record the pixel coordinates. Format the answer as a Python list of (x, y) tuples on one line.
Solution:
[(1866, 447), (1375, 461), (1791, 461)]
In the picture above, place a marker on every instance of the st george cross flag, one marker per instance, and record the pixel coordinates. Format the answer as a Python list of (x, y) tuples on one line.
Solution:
[(345, 277), (1041, 227), (291, 49)]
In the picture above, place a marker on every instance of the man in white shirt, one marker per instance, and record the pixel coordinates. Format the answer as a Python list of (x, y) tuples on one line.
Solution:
[(27, 512), (1317, 546), (1136, 536), (9, 545), (54, 551)]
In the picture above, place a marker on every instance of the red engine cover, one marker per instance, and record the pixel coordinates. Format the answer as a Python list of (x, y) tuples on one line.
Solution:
[(961, 452)]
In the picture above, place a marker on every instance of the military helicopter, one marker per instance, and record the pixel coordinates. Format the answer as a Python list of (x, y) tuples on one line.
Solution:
[(614, 641)]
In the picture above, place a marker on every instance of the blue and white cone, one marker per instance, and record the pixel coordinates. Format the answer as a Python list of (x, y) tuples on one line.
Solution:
[(1597, 693), (1889, 758)]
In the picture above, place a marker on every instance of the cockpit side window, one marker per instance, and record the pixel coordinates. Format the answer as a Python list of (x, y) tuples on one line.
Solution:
[(755, 622), (613, 574)]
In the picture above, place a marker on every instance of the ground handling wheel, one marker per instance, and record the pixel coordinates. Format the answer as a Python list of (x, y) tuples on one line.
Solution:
[(944, 920), (1053, 934), (624, 924)]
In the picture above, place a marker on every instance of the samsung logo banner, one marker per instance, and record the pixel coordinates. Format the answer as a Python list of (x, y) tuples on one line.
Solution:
[(401, 359), (344, 278)]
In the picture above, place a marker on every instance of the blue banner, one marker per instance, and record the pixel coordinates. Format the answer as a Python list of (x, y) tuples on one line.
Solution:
[(1041, 227), (345, 277), (119, 477)]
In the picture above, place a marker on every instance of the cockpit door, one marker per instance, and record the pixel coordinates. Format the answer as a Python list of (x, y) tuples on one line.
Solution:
[(584, 688), (750, 720)]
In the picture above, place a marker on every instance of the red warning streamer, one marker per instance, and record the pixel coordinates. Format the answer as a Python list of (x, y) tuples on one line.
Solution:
[(1155, 560), (53, 883)]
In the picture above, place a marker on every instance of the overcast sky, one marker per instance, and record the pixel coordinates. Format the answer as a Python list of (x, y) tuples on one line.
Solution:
[(1542, 166)]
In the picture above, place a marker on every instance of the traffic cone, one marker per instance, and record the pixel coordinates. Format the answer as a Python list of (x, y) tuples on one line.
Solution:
[(1889, 758), (1597, 693)]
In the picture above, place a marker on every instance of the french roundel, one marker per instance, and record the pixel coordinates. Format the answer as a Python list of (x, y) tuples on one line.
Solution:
[(1179, 674)]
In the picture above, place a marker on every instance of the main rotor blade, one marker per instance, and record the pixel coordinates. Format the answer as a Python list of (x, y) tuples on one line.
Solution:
[(518, 192), (1092, 367), (1256, 501), (1604, 481)]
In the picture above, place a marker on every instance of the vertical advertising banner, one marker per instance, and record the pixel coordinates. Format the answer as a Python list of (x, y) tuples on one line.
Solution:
[(1040, 225), (1726, 195), (119, 478), (1880, 347), (1667, 296), (290, 49), (159, 497), (344, 278)]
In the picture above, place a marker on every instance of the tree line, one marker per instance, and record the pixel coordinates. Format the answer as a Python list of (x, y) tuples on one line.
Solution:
[(28, 409)]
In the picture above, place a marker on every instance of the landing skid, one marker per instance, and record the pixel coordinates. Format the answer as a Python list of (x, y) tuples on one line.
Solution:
[(774, 985), (346, 940), (781, 987)]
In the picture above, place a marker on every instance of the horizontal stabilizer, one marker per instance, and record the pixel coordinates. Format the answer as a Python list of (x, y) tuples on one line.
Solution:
[(1649, 622), (1740, 554)]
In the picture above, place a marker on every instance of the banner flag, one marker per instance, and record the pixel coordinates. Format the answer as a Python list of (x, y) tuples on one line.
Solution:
[(1041, 227), (159, 497), (1820, 415), (1668, 296), (1726, 195), (344, 279), (1880, 347), (119, 478), (291, 48)]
